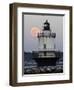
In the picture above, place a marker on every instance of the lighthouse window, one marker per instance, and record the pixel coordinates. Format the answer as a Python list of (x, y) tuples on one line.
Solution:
[(44, 46)]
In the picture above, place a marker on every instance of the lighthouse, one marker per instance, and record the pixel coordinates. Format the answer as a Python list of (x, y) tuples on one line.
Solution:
[(46, 54), (46, 41)]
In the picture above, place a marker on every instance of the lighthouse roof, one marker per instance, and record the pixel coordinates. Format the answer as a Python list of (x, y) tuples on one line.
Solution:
[(46, 22), (46, 25)]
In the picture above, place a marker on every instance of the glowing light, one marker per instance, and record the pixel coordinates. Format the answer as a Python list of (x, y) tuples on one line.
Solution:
[(35, 31)]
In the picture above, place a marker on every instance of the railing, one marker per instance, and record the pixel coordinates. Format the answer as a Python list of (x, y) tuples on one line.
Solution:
[(53, 35)]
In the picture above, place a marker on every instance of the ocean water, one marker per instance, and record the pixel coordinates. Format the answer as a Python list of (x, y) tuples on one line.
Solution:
[(31, 66)]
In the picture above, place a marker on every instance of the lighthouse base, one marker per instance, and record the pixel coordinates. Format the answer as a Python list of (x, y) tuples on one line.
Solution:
[(48, 58), (46, 61)]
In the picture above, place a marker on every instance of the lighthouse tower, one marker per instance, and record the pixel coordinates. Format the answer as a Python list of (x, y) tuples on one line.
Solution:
[(46, 54), (46, 42)]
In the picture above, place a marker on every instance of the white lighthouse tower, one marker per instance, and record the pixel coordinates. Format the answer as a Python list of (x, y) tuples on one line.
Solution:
[(46, 54), (46, 42)]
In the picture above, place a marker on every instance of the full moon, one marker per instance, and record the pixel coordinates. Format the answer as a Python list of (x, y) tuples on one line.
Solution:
[(35, 31)]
